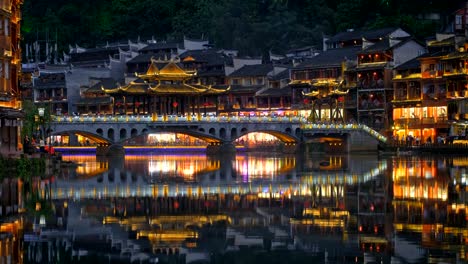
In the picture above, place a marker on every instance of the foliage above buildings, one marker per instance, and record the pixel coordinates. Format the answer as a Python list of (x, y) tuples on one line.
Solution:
[(251, 26)]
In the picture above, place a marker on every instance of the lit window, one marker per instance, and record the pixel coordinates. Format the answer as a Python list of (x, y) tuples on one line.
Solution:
[(7, 70)]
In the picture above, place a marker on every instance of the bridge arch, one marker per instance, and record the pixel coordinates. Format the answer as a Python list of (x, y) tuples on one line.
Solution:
[(111, 134), (208, 138), (222, 133), (212, 131), (94, 137), (123, 134), (134, 132), (283, 136)]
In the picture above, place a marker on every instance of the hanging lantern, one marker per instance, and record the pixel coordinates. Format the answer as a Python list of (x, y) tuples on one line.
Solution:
[(306, 101), (175, 104)]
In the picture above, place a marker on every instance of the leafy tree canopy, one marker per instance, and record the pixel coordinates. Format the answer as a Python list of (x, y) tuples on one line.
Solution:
[(253, 27)]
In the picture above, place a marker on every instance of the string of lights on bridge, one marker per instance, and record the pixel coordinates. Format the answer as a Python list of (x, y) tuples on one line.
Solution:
[(341, 127)]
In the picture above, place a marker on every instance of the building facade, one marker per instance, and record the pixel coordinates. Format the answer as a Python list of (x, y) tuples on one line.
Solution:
[(10, 70)]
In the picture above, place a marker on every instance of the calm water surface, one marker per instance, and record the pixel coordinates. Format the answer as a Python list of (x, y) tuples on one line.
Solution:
[(253, 208)]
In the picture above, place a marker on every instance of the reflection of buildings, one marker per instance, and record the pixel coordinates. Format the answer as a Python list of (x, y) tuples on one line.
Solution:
[(11, 226), (10, 71), (191, 217), (430, 203)]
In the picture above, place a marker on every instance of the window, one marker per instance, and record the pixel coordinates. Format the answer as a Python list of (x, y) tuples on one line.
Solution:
[(7, 69), (458, 22), (7, 24), (259, 81), (247, 82), (235, 81)]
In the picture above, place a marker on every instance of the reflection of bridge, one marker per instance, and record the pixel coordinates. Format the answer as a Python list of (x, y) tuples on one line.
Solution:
[(216, 131), (133, 184)]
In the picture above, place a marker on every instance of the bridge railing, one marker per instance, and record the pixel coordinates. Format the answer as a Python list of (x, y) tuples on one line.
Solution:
[(168, 118), (346, 127), (217, 119)]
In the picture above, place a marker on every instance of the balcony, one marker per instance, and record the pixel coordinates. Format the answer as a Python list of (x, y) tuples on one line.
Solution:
[(5, 6), (453, 72), (5, 45), (432, 74)]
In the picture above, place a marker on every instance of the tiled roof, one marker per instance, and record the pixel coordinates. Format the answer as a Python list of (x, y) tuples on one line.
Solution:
[(98, 54), (245, 89), (285, 91), (107, 83), (331, 58), (384, 45), (411, 64), (162, 46), (50, 80), (252, 70), (208, 56), (141, 58), (434, 54), (281, 76), (359, 34)]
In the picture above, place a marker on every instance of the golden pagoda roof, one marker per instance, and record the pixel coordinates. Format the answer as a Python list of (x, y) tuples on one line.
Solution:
[(131, 88), (180, 87), (169, 72), (183, 88), (152, 69), (312, 94), (338, 92)]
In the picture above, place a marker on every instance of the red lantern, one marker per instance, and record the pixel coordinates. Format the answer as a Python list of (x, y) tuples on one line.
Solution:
[(306, 101), (175, 104), (137, 104)]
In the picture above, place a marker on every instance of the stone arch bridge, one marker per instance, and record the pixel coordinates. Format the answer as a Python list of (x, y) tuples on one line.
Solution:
[(218, 132)]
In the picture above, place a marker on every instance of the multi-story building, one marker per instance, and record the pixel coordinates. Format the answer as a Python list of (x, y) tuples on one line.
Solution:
[(248, 82), (430, 93), (50, 91), (321, 76), (374, 70), (10, 69)]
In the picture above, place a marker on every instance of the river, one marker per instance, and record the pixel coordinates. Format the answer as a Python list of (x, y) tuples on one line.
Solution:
[(253, 208)]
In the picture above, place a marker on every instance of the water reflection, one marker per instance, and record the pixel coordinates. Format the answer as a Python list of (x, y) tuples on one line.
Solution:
[(295, 209)]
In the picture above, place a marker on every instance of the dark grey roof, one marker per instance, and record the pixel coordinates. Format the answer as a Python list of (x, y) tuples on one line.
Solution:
[(285, 91), (162, 46), (146, 58), (281, 76), (384, 45), (434, 54), (330, 58), (411, 64), (253, 70), (207, 56), (93, 55), (108, 83), (50, 80), (359, 34), (245, 89), (206, 73)]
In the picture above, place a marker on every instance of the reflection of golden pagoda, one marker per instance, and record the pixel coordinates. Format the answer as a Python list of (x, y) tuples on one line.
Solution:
[(164, 91), (166, 231)]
